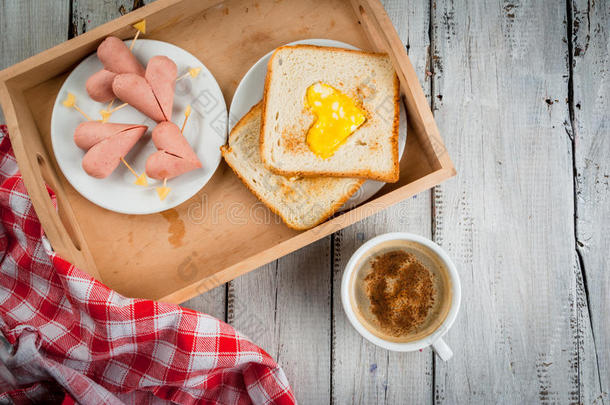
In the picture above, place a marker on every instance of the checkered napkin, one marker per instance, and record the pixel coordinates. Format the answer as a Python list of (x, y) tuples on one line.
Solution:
[(68, 337)]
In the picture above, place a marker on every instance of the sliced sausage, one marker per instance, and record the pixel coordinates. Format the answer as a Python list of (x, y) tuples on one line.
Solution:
[(90, 133), (167, 136), (161, 74), (134, 89), (101, 160), (163, 165), (99, 86), (117, 58)]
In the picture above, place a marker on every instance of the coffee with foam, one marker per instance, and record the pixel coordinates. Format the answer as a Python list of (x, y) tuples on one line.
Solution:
[(436, 309)]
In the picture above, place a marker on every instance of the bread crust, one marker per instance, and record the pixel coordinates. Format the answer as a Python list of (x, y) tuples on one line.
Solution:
[(225, 149), (388, 177)]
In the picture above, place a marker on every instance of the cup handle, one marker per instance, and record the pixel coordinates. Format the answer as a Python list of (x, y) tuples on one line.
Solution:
[(441, 348)]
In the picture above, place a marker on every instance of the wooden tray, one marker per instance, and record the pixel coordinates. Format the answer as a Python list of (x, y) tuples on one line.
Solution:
[(223, 231)]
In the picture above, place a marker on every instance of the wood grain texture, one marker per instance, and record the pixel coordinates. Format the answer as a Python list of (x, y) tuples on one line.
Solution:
[(285, 308), (232, 248), (88, 14), (362, 372), (500, 90), (211, 302), (30, 26), (521, 96), (590, 130)]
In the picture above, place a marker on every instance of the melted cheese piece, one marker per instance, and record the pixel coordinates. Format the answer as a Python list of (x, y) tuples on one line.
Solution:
[(105, 115), (337, 117), (194, 72), (70, 100), (162, 192), (141, 180), (140, 26)]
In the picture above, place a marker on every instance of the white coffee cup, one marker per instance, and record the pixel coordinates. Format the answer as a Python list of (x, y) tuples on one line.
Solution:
[(433, 339)]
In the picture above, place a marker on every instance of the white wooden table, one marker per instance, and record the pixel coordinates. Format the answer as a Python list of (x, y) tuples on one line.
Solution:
[(521, 93)]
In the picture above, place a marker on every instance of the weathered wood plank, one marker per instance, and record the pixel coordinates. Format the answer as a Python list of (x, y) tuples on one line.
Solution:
[(88, 14), (285, 308), (532, 328), (507, 219), (590, 39), (362, 372), (29, 27), (211, 302)]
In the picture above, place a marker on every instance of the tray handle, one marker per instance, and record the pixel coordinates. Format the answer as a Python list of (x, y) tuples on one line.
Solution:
[(60, 225)]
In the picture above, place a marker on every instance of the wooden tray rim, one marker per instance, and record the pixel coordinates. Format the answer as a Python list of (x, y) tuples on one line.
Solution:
[(37, 172)]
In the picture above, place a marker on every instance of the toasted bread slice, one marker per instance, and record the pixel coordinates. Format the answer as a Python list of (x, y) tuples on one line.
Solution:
[(367, 78), (301, 202)]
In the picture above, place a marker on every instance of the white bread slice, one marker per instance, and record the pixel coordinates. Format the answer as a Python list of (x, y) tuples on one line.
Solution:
[(301, 202), (368, 78)]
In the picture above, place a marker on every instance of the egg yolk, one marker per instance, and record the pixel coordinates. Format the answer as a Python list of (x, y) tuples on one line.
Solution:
[(337, 117)]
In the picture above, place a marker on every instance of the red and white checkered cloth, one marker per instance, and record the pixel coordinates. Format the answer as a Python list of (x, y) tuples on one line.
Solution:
[(68, 337)]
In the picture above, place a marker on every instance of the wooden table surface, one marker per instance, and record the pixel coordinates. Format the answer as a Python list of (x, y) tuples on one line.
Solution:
[(521, 93)]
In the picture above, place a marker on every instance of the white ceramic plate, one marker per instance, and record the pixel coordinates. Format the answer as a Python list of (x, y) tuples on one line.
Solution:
[(250, 91), (206, 131)]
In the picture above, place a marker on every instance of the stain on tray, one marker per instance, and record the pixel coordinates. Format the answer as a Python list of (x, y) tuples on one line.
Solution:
[(176, 228), (257, 37)]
